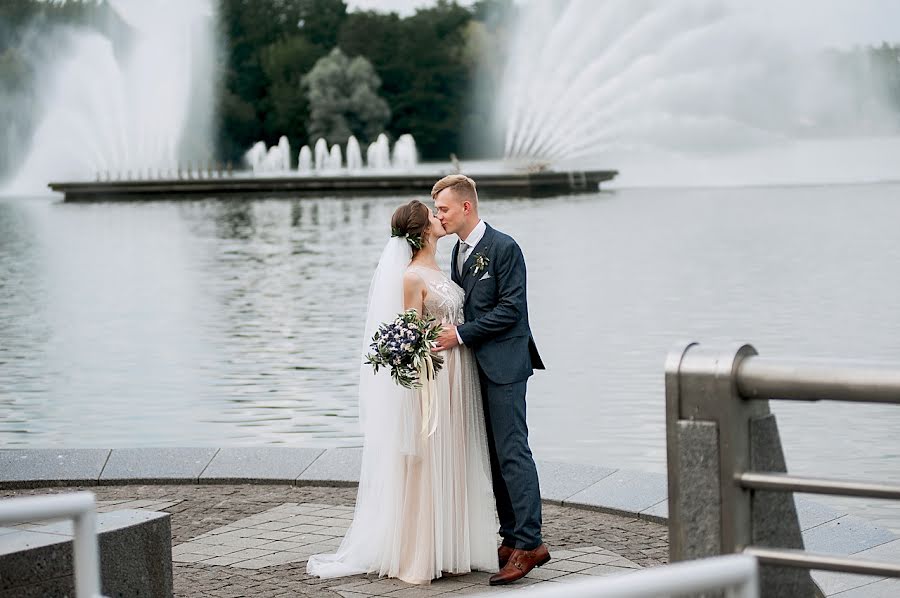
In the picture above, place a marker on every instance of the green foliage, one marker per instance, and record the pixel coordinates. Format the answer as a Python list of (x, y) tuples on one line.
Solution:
[(320, 21), (284, 63), (269, 45), (343, 99), (426, 64), (425, 77)]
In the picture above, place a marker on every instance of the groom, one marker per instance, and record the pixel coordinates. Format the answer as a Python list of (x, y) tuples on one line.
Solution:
[(490, 267)]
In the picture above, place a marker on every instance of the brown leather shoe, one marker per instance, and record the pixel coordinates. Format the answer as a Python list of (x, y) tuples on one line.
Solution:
[(503, 554), (519, 564)]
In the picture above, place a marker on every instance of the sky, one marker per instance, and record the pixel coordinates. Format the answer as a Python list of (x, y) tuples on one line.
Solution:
[(404, 7), (840, 23)]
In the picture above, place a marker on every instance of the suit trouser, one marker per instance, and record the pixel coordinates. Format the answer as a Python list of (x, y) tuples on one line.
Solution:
[(515, 478)]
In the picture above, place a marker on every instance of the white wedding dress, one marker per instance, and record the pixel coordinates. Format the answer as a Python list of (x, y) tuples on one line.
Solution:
[(425, 503)]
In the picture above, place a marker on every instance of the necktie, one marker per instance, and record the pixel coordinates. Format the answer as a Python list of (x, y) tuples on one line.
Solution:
[(461, 257)]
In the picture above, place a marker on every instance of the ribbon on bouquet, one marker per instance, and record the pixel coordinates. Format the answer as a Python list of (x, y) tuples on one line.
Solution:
[(429, 395)]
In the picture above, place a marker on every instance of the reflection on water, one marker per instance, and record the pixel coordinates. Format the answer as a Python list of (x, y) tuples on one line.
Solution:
[(183, 323), (237, 323)]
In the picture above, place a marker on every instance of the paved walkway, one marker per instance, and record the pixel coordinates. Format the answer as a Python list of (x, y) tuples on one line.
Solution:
[(253, 540)]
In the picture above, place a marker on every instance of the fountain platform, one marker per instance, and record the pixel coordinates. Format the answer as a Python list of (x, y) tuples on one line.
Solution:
[(221, 186)]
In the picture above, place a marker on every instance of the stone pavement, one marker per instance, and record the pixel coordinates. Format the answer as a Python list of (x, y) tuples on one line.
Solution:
[(253, 540)]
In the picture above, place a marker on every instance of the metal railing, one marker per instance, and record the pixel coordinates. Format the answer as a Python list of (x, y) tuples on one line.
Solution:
[(78, 506), (736, 574), (733, 388)]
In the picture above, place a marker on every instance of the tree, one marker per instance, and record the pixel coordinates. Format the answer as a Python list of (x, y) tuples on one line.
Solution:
[(425, 72), (269, 46), (433, 104), (375, 36), (284, 64), (248, 26), (321, 20), (343, 99)]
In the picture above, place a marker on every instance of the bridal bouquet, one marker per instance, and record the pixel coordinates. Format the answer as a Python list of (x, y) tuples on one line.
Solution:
[(404, 346)]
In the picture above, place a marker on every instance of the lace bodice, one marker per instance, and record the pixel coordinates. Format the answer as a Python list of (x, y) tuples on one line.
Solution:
[(445, 298)]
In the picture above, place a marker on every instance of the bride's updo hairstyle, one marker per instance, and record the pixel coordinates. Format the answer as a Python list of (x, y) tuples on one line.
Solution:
[(411, 221)]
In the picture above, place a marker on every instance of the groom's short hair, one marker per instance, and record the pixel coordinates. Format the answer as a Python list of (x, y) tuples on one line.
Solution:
[(460, 184)]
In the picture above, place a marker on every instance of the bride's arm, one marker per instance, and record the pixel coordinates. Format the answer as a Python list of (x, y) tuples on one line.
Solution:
[(414, 291)]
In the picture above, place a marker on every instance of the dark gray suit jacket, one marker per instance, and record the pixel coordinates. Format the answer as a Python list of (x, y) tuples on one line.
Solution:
[(496, 309)]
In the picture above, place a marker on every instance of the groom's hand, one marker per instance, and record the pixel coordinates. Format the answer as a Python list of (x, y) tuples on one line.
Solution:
[(447, 339)]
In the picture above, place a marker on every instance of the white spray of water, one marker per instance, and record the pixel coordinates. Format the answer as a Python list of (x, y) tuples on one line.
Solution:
[(275, 160), (354, 155), (146, 109), (405, 154), (321, 150), (335, 158), (378, 156), (686, 92), (304, 160)]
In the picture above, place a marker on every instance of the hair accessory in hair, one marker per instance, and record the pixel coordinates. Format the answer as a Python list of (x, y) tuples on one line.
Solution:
[(415, 241)]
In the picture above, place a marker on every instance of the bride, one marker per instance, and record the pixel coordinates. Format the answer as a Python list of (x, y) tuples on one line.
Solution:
[(425, 504)]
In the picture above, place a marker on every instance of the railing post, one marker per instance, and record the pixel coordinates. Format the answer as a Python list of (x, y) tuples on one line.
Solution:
[(708, 439), (712, 436), (78, 506), (86, 554)]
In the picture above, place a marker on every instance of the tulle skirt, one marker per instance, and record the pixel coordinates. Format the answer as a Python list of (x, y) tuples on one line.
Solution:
[(425, 504)]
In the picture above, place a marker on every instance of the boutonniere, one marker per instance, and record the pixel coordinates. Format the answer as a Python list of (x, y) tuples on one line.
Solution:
[(481, 263)]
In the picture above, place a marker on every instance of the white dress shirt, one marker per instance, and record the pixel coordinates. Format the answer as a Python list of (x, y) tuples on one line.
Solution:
[(472, 240)]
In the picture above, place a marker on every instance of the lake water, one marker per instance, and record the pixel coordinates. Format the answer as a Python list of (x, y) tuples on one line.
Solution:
[(190, 323)]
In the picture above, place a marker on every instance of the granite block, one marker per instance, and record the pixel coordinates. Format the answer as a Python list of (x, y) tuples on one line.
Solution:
[(624, 491), (338, 466), (266, 464), (156, 465), (52, 466), (561, 480), (812, 513), (109, 521), (773, 515), (886, 588), (832, 582), (135, 558), (27, 540), (697, 502), (846, 535), (658, 513)]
